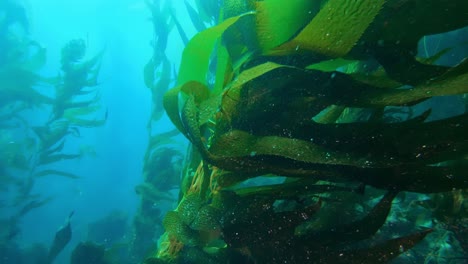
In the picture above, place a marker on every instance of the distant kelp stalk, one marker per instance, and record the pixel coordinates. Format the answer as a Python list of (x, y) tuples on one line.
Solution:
[(332, 96), (39, 114)]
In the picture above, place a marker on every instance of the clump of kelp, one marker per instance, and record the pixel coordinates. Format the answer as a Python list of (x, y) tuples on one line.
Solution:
[(163, 157), (37, 116), (331, 95)]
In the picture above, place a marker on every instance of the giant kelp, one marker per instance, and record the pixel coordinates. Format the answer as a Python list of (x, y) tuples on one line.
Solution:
[(37, 116), (285, 112), (162, 160)]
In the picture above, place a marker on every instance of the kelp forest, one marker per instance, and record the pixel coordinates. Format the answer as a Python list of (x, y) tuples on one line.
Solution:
[(319, 131)]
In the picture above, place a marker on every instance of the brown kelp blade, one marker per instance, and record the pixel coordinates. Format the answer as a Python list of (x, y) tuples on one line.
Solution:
[(62, 237), (381, 253), (358, 230)]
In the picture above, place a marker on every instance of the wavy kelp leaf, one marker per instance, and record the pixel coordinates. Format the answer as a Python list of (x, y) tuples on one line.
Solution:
[(47, 159), (227, 178), (378, 79), (56, 172), (232, 95), (276, 22), (174, 225), (335, 29), (53, 133), (188, 208), (241, 152), (269, 229), (412, 141), (171, 101), (198, 52), (381, 253), (330, 65), (207, 219), (392, 39), (427, 18), (329, 115), (358, 230), (288, 190), (171, 104), (333, 88), (238, 143), (451, 83), (224, 71), (32, 205)]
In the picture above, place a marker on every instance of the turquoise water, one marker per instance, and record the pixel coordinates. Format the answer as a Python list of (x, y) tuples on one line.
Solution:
[(91, 161)]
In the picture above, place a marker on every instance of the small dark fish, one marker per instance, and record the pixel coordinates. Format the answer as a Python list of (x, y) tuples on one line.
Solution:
[(106, 115), (12, 233), (62, 237)]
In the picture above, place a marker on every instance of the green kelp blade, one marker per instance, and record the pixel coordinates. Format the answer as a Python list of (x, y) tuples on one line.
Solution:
[(207, 219), (188, 208), (56, 172), (239, 143), (194, 89), (171, 105), (452, 83), (412, 141), (33, 205), (196, 55), (381, 253), (329, 115), (224, 69), (288, 190), (342, 89), (277, 22), (242, 152), (335, 30), (232, 95), (173, 224), (330, 65)]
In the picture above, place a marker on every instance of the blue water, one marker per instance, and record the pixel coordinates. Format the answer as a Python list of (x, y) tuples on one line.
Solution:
[(124, 30)]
